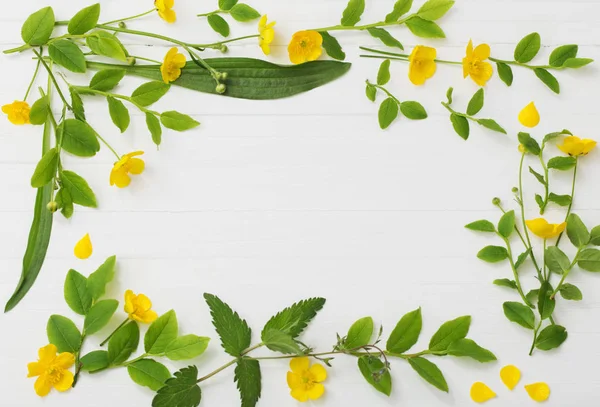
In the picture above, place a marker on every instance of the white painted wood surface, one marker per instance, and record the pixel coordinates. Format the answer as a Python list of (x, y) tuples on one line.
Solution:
[(267, 203)]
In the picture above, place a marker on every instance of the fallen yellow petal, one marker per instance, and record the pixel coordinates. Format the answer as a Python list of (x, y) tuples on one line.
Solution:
[(529, 116), (480, 392), (538, 391), (83, 248), (510, 376)]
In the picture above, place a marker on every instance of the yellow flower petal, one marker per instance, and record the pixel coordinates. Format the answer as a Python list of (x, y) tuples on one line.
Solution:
[(138, 307), (65, 382), (65, 360), (538, 391), (316, 391), (318, 372), (482, 51), (299, 365), (165, 11), (481, 393), (83, 248), (42, 386), (510, 376), (574, 146), (300, 394), (17, 112), (35, 369), (529, 116), (541, 228), (294, 380), (47, 354), (421, 64)]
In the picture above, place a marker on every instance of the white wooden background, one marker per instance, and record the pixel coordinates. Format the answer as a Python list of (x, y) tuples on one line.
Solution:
[(267, 203)]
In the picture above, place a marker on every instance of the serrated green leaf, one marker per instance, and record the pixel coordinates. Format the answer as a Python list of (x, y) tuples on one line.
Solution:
[(360, 333), (77, 104), (461, 125), (469, 348), (376, 374), (294, 319), (430, 372), (388, 112), (77, 295), (186, 347), (385, 37), (406, 333), (424, 28), (218, 24), (519, 313), (248, 380), (476, 103), (522, 257), (449, 332), (99, 315), (527, 48), (493, 254), (148, 373), (45, 170), (180, 391), (98, 280), (234, 332), (161, 333), (279, 341), (332, 46), (63, 334), (551, 337), (84, 20), (123, 343)]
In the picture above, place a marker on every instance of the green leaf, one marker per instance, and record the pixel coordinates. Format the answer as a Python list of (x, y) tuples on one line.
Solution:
[(332, 46), (461, 125), (589, 259), (577, 232), (123, 343), (551, 337), (577, 62), (45, 170), (218, 24), (186, 347), (118, 113), (227, 4), (99, 315), (406, 333), (562, 163), (505, 282), (177, 121), (98, 280), (107, 79), (556, 260), (84, 20), (77, 295), (493, 254), (522, 257), (506, 225), (243, 12), (371, 92), (106, 44), (388, 111), (294, 319), (434, 9), (505, 73), (476, 103), (234, 332), (65, 202), (279, 341), (430, 372), (180, 391), (94, 361), (371, 369), (248, 380), (67, 54), (154, 126), (492, 125), (527, 48), (352, 13), (530, 144), (546, 303), (562, 53), (548, 79), (413, 110), (149, 93), (38, 27), (482, 226), (449, 332), (383, 75), (78, 188), (570, 292), (63, 334), (468, 347), (539, 177), (161, 333), (532, 296), (554, 135), (401, 7), (449, 95), (424, 28), (538, 198), (148, 373), (562, 200), (39, 111), (595, 236), (385, 37), (360, 333), (79, 138), (519, 313), (77, 104)]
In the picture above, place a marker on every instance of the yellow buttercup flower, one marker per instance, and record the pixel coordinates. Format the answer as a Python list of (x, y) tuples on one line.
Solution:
[(475, 65), (172, 64), (83, 248), (165, 10), (574, 146), (529, 116), (17, 112), (305, 46), (481, 393), (266, 34), (421, 64), (119, 175), (139, 307), (538, 391), (51, 370), (540, 227), (510, 376), (305, 380)]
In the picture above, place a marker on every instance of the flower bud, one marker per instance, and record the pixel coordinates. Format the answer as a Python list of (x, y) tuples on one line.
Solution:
[(52, 206), (521, 148), (223, 48), (224, 75), (122, 24), (221, 88), (131, 61), (496, 201), (515, 190)]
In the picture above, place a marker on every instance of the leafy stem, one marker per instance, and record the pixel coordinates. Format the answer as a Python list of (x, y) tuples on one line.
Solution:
[(546, 184), (566, 273), (130, 18), (515, 272), (363, 27), (85, 89), (114, 332), (400, 57), (532, 67), (572, 198), (53, 79), (535, 332), (35, 73), (216, 45), (466, 116), (384, 90)]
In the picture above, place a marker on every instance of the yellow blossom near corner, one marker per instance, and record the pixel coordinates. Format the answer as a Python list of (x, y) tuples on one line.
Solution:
[(165, 10), (305, 46), (481, 393), (305, 380), (139, 307), (541, 228), (529, 116), (172, 64), (83, 248), (538, 391), (128, 164), (17, 112), (575, 146), (475, 65), (266, 34), (51, 370), (510, 376), (421, 64)]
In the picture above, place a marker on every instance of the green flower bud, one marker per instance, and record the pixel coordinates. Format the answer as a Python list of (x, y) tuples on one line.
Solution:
[(515, 190), (52, 206), (224, 75), (223, 48), (122, 24), (496, 201), (221, 88), (131, 61)]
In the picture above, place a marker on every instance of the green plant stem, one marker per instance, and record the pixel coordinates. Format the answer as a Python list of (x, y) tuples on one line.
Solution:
[(37, 68), (572, 198), (217, 44), (535, 332), (129, 362), (546, 186), (533, 67), (466, 116), (211, 13), (566, 273), (340, 27), (25, 47), (129, 99), (515, 272), (78, 364), (400, 57), (381, 88), (114, 332), (131, 18), (154, 61), (499, 205), (53, 78)]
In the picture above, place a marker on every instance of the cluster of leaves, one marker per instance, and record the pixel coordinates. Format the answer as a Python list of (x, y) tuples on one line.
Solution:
[(421, 23), (391, 105), (563, 57), (238, 11), (460, 121)]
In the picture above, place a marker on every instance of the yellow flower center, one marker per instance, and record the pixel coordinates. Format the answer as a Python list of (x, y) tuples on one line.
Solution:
[(308, 379), (474, 65), (53, 374)]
